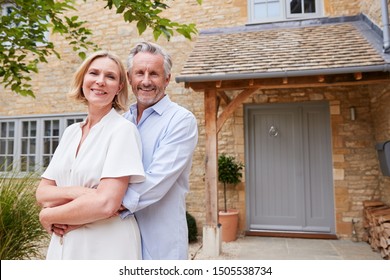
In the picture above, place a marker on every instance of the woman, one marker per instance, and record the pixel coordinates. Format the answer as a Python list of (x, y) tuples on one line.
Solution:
[(84, 184)]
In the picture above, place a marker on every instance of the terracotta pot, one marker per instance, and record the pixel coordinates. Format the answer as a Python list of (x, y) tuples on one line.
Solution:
[(229, 223)]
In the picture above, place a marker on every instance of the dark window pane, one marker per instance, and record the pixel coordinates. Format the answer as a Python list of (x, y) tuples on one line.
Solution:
[(56, 128), (33, 129), (32, 146), (2, 147), (46, 146), (55, 145), (310, 6), (8, 10), (10, 163), (46, 161), (296, 7), (47, 128), (10, 147), (72, 121), (2, 163), (31, 163), (24, 146), (23, 163), (25, 129), (11, 129), (3, 129)]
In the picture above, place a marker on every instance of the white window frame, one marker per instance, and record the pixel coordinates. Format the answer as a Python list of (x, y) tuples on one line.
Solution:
[(284, 12), (4, 8), (5, 11), (38, 152)]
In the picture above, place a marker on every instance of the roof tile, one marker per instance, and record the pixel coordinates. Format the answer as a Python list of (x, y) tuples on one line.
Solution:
[(287, 49)]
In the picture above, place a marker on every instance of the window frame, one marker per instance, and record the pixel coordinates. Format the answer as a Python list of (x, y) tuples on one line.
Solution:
[(39, 150), (5, 12), (285, 13), (303, 15), (4, 8)]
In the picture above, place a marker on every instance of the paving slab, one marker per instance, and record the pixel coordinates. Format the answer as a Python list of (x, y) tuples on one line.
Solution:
[(278, 248)]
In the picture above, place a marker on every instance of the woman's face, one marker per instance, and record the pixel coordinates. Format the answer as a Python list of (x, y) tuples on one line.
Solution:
[(101, 82)]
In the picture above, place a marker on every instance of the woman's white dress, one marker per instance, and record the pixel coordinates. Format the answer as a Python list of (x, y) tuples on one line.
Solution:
[(111, 149)]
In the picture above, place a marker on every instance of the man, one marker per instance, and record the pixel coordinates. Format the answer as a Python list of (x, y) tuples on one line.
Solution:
[(169, 136)]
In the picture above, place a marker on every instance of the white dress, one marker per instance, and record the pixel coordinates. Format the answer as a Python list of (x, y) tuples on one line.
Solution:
[(111, 149)]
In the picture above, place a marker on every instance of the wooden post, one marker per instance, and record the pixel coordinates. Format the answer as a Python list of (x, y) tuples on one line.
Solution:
[(211, 231)]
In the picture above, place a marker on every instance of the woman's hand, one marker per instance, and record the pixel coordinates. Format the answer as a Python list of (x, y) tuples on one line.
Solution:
[(43, 218)]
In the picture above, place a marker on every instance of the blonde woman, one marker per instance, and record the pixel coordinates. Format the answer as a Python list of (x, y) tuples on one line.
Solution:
[(89, 173)]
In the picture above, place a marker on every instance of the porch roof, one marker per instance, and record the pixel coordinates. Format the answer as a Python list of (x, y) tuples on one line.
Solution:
[(294, 49), (313, 53)]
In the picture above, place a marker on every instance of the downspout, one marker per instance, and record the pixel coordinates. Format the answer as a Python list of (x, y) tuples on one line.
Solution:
[(386, 29)]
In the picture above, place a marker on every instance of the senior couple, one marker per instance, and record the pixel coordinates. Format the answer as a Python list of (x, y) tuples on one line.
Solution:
[(116, 185)]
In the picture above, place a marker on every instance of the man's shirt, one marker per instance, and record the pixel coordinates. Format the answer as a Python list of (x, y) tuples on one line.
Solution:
[(169, 136)]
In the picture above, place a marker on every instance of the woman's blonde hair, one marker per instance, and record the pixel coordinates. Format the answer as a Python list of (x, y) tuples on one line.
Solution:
[(76, 90)]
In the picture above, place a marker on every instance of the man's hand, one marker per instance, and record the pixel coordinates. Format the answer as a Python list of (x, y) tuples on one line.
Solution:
[(122, 208), (61, 229)]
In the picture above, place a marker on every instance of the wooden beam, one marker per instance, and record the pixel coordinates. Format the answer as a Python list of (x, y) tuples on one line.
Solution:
[(211, 145), (224, 96), (358, 76), (232, 106), (368, 78)]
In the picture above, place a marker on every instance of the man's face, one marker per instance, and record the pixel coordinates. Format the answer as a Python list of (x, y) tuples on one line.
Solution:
[(147, 79)]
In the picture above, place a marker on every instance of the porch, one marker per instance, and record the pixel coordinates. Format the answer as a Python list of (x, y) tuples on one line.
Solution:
[(278, 248)]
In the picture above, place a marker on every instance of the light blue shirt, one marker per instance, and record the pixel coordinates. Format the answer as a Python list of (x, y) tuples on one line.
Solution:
[(169, 136)]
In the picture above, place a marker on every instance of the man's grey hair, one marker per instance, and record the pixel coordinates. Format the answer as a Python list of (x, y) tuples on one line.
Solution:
[(153, 49)]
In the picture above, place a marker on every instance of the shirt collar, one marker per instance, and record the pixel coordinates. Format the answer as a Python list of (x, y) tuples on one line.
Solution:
[(159, 107), (105, 119)]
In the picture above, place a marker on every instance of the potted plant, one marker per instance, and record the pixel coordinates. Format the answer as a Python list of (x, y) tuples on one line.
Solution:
[(229, 172)]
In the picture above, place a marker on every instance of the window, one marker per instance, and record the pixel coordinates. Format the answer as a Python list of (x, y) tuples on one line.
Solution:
[(6, 9), (7, 140), (27, 144), (17, 21), (276, 10), (51, 138)]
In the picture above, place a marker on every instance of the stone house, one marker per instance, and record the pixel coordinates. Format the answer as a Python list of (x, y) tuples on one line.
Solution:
[(297, 90)]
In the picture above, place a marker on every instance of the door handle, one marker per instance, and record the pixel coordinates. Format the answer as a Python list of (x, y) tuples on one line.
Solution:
[(273, 131)]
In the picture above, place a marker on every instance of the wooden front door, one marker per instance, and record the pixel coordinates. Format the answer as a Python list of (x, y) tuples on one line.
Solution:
[(289, 168)]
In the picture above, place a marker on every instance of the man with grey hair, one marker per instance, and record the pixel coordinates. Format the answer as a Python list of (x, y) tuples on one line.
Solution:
[(169, 136)]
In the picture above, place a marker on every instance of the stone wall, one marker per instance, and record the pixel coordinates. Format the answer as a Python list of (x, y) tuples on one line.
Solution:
[(372, 9), (336, 8), (380, 104)]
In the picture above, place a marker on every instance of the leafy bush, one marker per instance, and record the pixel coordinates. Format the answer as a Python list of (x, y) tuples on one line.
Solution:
[(229, 172), (21, 234), (192, 229)]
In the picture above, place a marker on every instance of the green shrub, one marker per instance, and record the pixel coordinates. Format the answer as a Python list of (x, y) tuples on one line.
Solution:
[(192, 229), (229, 172), (21, 234)]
